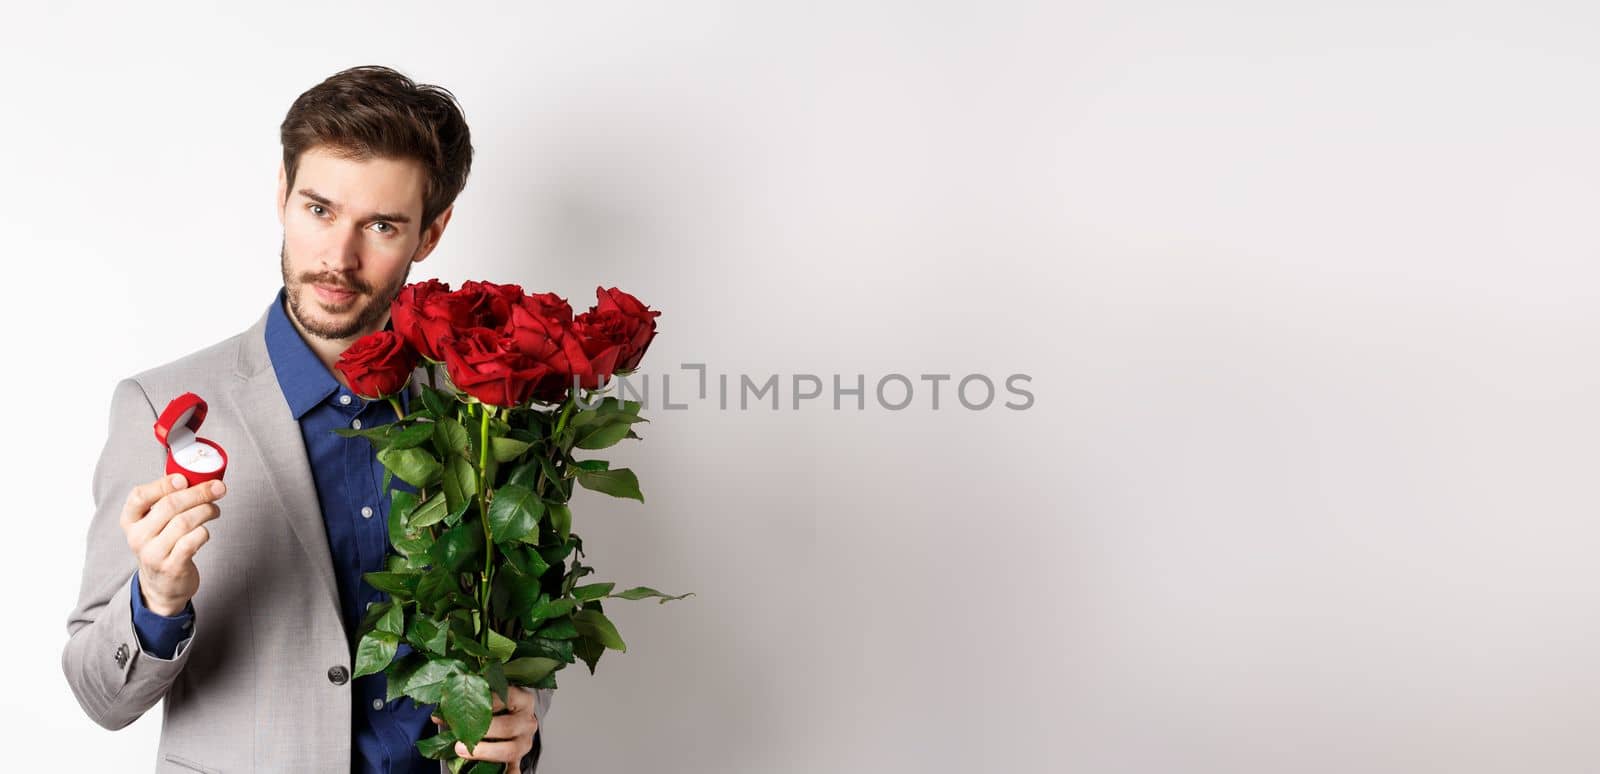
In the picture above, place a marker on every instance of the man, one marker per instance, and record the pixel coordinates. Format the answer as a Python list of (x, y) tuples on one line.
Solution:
[(253, 662)]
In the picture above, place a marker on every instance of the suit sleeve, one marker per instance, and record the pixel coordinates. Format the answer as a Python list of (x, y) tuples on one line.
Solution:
[(111, 675)]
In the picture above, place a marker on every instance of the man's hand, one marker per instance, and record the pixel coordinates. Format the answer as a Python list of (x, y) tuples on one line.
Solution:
[(510, 734), (163, 521)]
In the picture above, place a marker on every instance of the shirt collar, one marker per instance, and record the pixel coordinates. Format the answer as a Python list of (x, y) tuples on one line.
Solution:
[(305, 381)]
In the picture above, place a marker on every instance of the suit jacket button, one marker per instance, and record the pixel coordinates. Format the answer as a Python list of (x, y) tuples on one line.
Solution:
[(121, 655), (338, 675)]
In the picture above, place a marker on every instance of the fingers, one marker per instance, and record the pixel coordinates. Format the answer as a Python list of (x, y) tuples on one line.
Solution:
[(509, 752), (172, 505), (179, 526), (184, 550), (511, 730), (507, 727), (521, 699), (145, 495)]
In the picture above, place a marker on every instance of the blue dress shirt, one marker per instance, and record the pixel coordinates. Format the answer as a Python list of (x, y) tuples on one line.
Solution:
[(355, 513)]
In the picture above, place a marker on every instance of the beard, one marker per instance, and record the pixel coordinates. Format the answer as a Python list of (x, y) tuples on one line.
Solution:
[(366, 319)]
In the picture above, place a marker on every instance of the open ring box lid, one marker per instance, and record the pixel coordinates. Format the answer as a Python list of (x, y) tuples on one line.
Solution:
[(198, 459)]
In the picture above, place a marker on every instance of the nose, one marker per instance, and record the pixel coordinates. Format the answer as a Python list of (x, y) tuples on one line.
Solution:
[(344, 249)]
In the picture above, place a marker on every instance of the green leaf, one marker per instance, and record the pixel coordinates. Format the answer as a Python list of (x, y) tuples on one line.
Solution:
[(437, 402), (591, 465), (588, 650), (465, 707), (455, 516), (370, 618), (560, 520), (375, 652), (529, 669), (401, 503), (642, 592), (469, 645), (600, 436), (412, 437), (555, 554), (415, 466), (506, 449), (394, 621), (435, 585), (552, 609), (496, 677), (558, 629), (460, 482), (431, 512), (514, 513), (500, 646), (427, 683), (544, 647), (592, 591), (595, 625), (399, 673), (415, 549), (516, 591), (377, 436), (450, 438), (427, 634), (400, 585), (617, 483), (437, 745), (576, 573), (458, 547), (525, 474), (527, 560), (548, 467)]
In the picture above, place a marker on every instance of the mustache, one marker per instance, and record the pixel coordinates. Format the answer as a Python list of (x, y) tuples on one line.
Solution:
[(334, 281)]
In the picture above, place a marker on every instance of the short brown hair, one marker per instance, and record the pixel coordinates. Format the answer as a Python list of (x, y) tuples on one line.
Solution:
[(375, 112)]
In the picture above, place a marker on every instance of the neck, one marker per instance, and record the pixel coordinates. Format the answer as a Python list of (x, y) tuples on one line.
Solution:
[(329, 350)]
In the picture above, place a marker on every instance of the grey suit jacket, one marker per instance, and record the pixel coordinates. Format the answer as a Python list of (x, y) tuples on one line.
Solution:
[(257, 687)]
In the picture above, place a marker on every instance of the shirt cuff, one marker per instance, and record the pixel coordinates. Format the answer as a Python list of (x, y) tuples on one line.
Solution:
[(160, 636)]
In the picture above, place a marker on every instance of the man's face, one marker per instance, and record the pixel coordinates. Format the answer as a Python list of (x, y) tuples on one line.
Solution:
[(351, 230)]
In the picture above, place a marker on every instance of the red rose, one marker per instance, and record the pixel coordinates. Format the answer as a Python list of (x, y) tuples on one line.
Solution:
[(482, 363), (547, 305), (547, 340), (378, 365), (475, 305), (491, 302), (408, 311), (619, 320)]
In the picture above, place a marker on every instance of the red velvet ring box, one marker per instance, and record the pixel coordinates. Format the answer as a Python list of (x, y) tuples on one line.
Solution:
[(196, 458)]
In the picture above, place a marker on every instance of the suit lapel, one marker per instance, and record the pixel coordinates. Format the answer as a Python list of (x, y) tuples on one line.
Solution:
[(257, 399), (275, 439)]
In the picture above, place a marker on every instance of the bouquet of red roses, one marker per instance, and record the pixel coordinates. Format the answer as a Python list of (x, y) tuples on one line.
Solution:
[(486, 580)]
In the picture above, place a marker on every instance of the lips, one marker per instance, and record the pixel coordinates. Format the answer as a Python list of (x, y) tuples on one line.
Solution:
[(334, 295)]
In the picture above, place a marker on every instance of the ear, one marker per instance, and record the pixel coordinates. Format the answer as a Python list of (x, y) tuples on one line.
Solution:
[(283, 192), (432, 234)]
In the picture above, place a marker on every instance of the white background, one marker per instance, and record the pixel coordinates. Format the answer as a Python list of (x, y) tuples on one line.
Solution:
[(1306, 291)]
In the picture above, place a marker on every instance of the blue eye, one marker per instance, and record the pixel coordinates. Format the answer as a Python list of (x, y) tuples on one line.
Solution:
[(386, 227)]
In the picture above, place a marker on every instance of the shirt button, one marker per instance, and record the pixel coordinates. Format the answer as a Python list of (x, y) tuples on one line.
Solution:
[(355, 423), (377, 704), (366, 511), (344, 400)]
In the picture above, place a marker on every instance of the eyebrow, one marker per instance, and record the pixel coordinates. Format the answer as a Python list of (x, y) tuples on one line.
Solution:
[(326, 202)]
